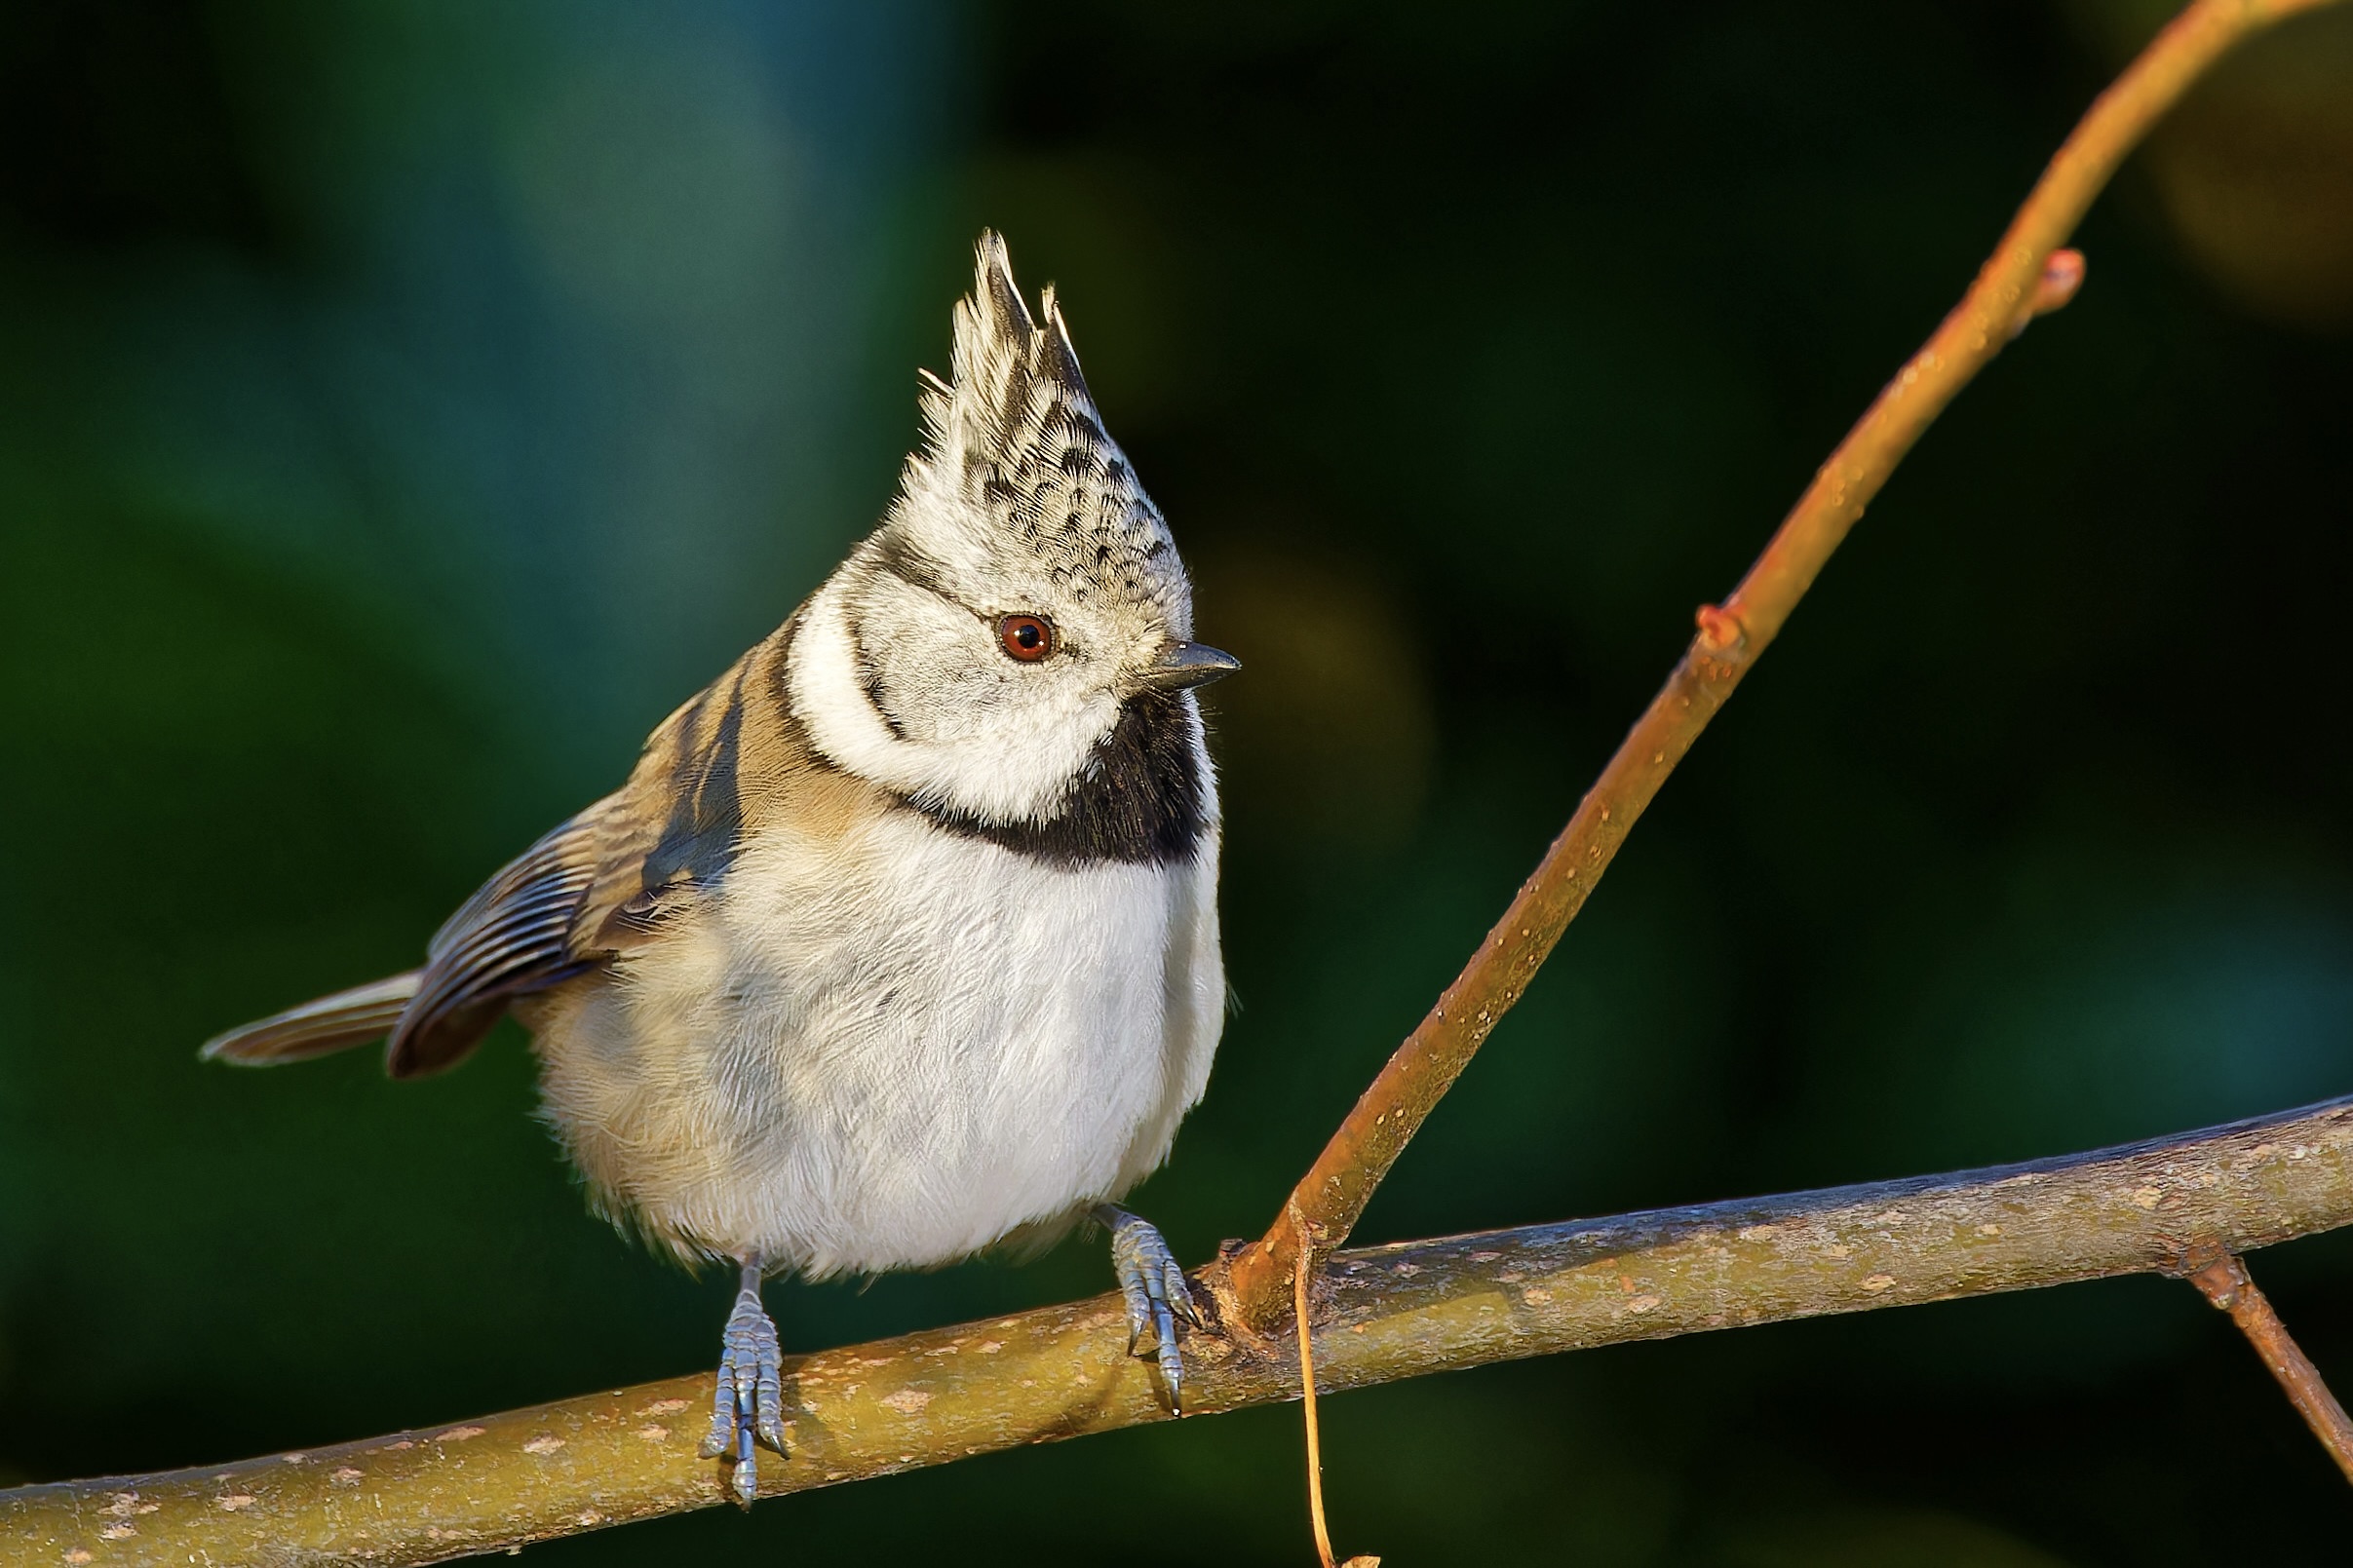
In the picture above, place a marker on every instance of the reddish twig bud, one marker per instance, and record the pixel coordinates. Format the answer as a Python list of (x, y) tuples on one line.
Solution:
[(2062, 275), (1718, 628)]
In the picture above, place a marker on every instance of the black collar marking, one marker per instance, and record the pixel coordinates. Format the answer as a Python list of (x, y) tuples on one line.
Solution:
[(1138, 801)]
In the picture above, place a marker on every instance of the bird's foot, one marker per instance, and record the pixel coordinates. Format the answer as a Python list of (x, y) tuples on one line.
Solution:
[(1156, 1290), (750, 1400)]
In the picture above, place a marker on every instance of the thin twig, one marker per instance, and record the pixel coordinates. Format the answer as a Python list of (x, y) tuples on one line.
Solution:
[(2225, 1282), (1307, 1404), (2016, 281), (1398, 1311), (1315, 1441)]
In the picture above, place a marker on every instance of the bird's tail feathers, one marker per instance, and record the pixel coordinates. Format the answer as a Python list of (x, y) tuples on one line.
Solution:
[(331, 1023)]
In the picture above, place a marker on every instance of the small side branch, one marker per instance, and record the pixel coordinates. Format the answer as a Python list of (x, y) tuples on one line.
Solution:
[(2226, 1284), (1389, 1313), (2026, 275)]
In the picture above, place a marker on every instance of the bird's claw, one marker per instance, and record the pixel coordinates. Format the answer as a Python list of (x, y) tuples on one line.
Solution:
[(748, 1401), (1156, 1291)]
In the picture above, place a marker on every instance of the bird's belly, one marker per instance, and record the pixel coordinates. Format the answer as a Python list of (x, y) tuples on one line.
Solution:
[(892, 1059)]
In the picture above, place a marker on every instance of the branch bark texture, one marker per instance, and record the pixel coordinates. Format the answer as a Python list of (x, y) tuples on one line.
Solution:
[(2015, 285), (1380, 1314)]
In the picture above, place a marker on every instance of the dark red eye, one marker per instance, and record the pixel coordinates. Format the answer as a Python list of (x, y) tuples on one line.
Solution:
[(1028, 637)]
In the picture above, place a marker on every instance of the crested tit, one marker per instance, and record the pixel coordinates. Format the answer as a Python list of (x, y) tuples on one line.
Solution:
[(902, 937)]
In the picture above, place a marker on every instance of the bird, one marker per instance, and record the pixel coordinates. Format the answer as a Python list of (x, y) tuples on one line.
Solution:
[(899, 942)]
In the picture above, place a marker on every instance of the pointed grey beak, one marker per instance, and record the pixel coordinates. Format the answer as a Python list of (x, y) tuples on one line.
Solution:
[(1188, 664)]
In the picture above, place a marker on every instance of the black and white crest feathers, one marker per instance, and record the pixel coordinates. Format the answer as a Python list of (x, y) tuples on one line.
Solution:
[(1015, 454)]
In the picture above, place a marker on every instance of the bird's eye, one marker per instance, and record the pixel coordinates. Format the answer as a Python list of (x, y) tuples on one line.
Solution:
[(1026, 637)]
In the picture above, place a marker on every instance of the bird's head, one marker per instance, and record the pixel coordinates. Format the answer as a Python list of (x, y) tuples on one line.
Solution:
[(1022, 597)]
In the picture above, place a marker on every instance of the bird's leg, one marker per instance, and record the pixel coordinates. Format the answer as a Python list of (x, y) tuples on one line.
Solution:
[(1156, 1290), (751, 1396)]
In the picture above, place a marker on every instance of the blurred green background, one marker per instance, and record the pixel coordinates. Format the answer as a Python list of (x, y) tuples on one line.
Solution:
[(404, 404)]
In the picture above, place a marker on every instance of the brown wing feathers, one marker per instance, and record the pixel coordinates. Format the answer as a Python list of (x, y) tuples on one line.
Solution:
[(602, 882)]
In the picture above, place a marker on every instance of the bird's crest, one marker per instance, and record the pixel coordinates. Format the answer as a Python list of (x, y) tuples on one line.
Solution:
[(1015, 450)]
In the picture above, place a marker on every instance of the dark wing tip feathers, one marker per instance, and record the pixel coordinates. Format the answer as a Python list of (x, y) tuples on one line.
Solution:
[(513, 937)]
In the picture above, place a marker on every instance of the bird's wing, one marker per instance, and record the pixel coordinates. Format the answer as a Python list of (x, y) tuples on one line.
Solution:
[(514, 935), (608, 880)]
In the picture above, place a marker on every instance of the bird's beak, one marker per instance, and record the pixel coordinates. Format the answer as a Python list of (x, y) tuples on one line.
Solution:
[(1187, 664)]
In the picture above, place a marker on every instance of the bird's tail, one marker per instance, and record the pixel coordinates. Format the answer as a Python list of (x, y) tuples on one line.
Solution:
[(331, 1023)]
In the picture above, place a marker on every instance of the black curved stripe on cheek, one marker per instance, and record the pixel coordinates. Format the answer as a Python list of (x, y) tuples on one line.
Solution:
[(1139, 802), (870, 682)]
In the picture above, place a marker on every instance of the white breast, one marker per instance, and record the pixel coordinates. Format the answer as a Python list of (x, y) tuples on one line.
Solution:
[(892, 1048)]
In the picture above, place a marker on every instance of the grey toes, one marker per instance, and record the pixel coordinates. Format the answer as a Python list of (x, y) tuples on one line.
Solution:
[(748, 1401), (1156, 1291)]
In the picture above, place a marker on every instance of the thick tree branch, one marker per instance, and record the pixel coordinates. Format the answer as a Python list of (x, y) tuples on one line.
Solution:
[(1384, 1314), (2017, 283)]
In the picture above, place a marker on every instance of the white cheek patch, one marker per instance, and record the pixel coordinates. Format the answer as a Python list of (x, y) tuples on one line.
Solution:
[(1011, 759), (923, 663)]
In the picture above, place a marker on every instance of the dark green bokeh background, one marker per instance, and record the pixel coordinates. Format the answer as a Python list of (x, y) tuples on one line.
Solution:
[(404, 404)]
